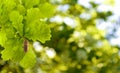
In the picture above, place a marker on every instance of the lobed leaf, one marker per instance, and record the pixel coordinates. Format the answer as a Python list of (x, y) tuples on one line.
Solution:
[(38, 30), (46, 10), (32, 15), (29, 59), (13, 50), (17, 19)]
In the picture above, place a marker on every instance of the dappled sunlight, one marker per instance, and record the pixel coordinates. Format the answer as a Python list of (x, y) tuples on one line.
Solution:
[(104, 8), (85, 16), (50, 52), (81, 41), (57, 19), (85, 3), (63, 8), (70, 22), (38, 47)]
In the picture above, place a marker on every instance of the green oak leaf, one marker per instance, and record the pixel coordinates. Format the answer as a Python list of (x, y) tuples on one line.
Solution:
[(16, 20), (32, 14), (46, 10), (29, 59), (38, 30), (13, 50), (10, 31)]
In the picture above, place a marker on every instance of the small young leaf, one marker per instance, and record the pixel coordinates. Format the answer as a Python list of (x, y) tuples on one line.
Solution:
[(46, 10), (32, 14), (29, 59), (16, 19)]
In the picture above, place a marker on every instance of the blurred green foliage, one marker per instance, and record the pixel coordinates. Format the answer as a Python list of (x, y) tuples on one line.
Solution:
[(79, 49)]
